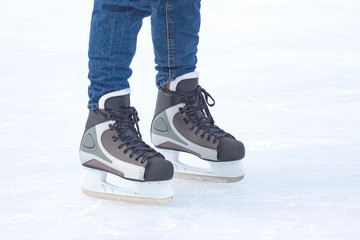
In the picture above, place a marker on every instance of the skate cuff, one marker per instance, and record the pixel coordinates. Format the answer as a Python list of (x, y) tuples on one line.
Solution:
[(174, 83), (112, 94)]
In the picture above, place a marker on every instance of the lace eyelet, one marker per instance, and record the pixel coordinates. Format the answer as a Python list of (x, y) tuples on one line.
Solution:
[(125, 152), (202, 136), (197, 132), (208, 139), (214, 141)]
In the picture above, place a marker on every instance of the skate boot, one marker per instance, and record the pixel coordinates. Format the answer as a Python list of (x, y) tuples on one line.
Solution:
[(112, 148), (183, 131)]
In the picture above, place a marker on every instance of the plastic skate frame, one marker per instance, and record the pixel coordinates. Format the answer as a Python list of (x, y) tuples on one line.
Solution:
[(192, 167), (96, 184)]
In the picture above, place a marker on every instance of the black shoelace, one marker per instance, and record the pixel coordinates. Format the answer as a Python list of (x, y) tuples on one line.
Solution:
[(197, 111), (127, 129)]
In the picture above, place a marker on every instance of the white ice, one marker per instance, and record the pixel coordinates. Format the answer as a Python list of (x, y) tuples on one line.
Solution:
[(286, 79)]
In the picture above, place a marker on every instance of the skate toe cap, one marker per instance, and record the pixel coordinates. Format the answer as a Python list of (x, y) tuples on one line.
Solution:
[(230, 149), (158, 169)]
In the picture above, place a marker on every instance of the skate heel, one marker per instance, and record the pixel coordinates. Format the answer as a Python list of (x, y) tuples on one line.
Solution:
[(188, 166), (101, 184)]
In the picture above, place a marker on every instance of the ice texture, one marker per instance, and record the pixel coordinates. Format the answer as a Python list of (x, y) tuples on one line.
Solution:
[(286, 79)]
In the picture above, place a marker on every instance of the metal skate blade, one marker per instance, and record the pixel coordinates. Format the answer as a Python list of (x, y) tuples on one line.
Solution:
[(208, 178), (98, 183), (126, 198), (189, 166)]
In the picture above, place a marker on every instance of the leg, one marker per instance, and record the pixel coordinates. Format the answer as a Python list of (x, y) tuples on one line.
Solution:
[(114, 28), (111, 145), (183, 123), (175, 26)]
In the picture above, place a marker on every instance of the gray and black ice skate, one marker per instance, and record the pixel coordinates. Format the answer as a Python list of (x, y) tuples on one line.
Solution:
[(183, 124), (112, 145)]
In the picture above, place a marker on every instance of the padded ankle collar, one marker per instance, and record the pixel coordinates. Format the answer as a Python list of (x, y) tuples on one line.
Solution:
[(115, 100)]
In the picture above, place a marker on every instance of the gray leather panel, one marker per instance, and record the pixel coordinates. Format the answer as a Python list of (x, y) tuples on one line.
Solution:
[(88, 141), (161, 126), (85, 147)]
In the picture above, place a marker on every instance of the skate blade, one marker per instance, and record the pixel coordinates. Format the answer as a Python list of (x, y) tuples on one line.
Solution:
[(101, 184), (126, 198), (189, 166), (208, 178)]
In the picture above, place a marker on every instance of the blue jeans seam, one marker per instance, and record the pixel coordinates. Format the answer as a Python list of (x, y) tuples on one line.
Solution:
[(170, 41), (115, 80)]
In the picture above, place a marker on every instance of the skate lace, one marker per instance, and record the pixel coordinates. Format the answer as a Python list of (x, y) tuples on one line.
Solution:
[(127, 128), (198, 113)]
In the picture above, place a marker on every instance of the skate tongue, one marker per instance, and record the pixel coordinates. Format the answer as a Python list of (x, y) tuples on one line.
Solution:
[(187, 85), (130, 132), (117, 103), (127, 122)]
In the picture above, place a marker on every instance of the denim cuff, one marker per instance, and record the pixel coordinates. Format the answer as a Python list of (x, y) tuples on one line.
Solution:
[(162, 82), (93, 106)]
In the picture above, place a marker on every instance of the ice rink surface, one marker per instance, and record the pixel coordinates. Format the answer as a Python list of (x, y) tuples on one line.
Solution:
[(286, 79)]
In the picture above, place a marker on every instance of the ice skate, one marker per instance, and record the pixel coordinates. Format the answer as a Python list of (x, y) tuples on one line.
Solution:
[(183, 131), (117, 163)]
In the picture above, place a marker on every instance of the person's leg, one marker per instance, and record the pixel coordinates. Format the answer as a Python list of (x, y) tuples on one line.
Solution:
[(175, 26), (114, 28), (112, 143), (182, 121)]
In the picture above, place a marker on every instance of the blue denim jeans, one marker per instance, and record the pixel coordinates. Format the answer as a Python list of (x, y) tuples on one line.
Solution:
[(115, 24)]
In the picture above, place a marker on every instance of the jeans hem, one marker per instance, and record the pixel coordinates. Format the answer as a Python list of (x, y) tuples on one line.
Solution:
[(162, 82), (93, 106)]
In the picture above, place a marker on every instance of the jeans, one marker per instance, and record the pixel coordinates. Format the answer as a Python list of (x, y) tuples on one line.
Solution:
[(115, 24)]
